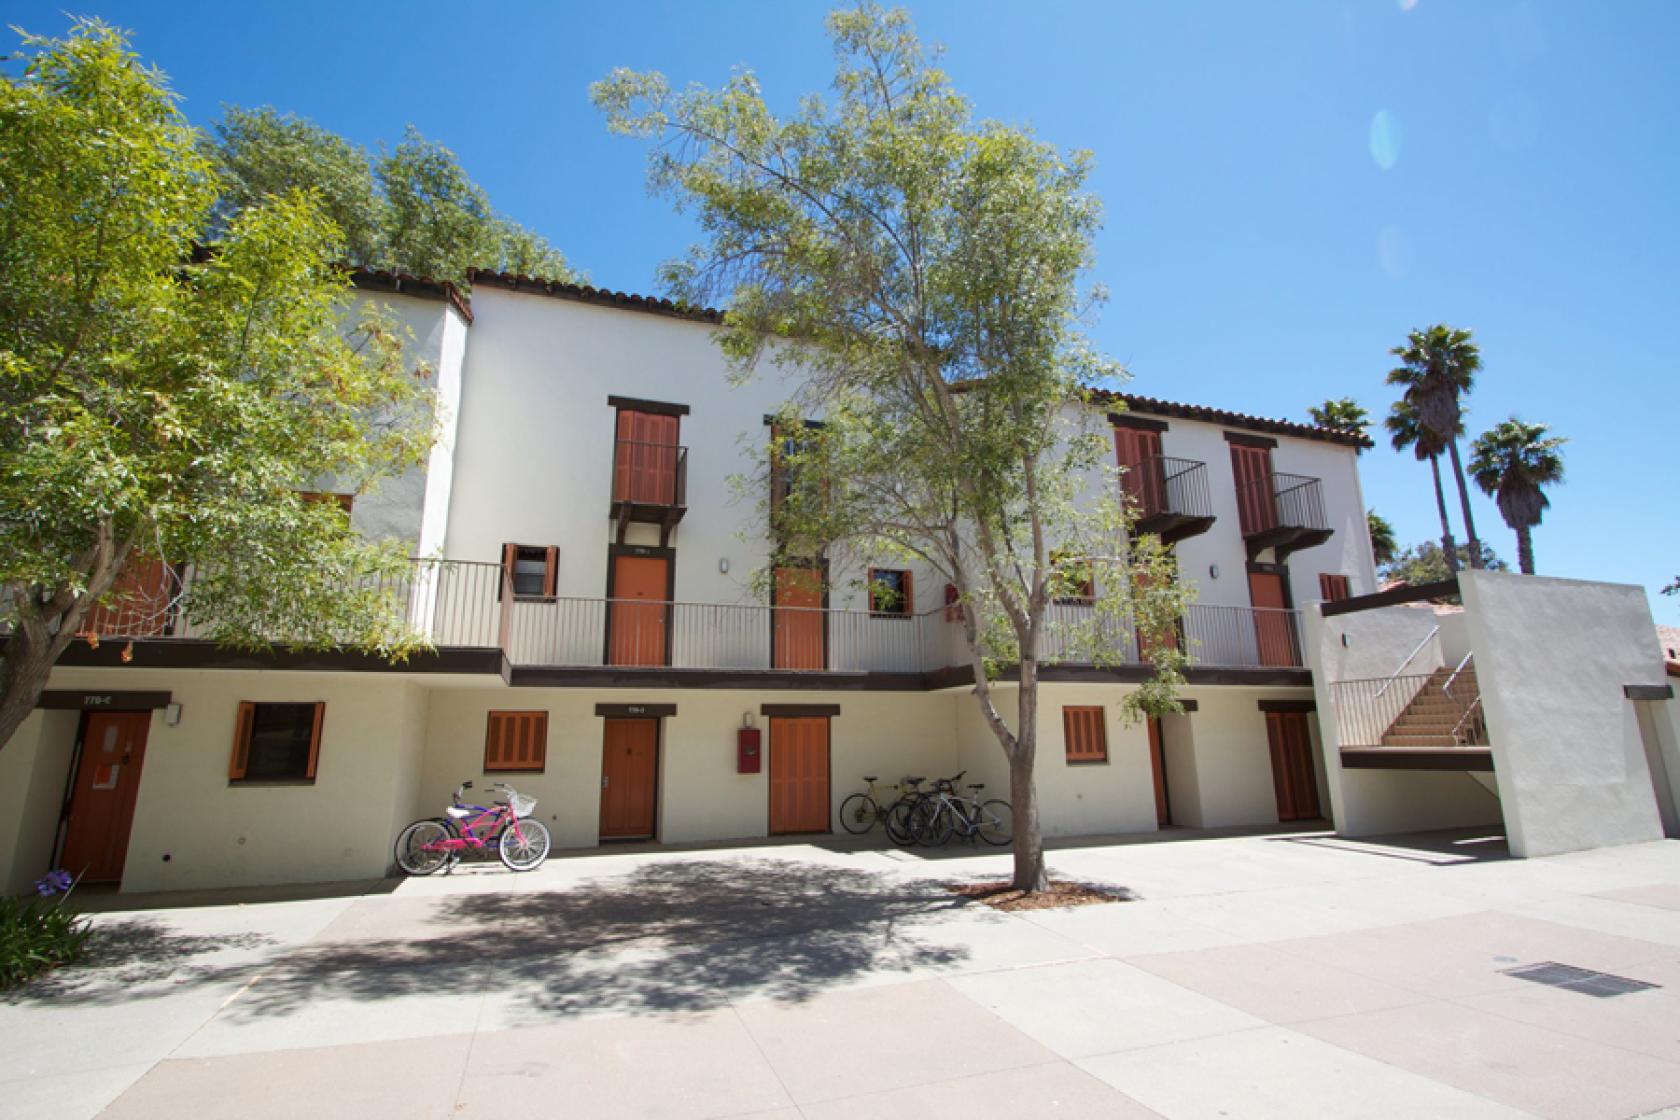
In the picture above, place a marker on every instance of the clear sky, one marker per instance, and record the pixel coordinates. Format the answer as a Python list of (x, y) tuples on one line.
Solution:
[(1289, 187)]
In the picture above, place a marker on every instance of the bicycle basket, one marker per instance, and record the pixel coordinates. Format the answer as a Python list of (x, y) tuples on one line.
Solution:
[(521, 804)]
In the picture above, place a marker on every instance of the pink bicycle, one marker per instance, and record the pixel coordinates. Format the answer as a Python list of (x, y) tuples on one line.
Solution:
[(507, 827)]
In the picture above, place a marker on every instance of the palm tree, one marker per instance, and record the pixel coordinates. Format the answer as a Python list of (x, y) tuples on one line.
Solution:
[(1384, 544), (1511, 463), (1344, 414), (1437, 367), (1404, 431)]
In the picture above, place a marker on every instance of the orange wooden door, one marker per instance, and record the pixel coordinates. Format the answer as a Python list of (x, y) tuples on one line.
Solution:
[(639, 615), (1256, 502), (140, 602), (1158, 771), (799, 774), (1144, 481), (1292, 767), (645, 461), (629, 769), (1273, 628), (1170, 639), (797, 621), (102, 799)]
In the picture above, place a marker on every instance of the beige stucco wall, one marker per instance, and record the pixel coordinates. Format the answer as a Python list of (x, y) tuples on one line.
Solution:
[(1552, 658), (34, 776)]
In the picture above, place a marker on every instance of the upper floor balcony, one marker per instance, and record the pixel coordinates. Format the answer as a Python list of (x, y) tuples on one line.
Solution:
[(1170, 496), (1281, 511), (649, 483), (473, 606)]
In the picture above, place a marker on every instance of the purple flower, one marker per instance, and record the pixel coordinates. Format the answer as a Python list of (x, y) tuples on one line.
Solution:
[(54, 882)]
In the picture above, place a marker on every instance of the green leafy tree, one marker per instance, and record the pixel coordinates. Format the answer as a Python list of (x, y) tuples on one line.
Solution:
[(1426, 563), (915, 274), (1513, 463), (1437, 370), (165, 405), (413, 209), (1405, 432), (1384, 544), (1344, 414)]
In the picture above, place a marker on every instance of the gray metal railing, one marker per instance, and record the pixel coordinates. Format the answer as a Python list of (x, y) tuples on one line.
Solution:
[(1368, 710), (1278, 500), (1161, 484)]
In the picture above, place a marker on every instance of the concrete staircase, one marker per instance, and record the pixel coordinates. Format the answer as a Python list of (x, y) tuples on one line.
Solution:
[(1437, 710)]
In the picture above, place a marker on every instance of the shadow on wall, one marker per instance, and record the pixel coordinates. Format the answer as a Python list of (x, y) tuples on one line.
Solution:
[(679, 936)]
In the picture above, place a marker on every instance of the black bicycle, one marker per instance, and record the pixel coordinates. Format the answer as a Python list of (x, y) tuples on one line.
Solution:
[(861, 811), (944, 813)]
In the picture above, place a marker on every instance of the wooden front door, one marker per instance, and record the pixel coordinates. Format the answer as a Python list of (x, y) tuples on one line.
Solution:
[(1274, 630), (797, 626), (1158, 770), (1292, 766), (1144, 481), (799, 774), (1256, 501), (629, 776), (638, 618), (102, 799)]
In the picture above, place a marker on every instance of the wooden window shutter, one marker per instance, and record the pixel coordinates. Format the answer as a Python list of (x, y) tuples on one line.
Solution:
[(551, 573), (315, 740), (1085, 734), (242, 740), (909, 592), (1333, 587), (516, 741), (510, 554)]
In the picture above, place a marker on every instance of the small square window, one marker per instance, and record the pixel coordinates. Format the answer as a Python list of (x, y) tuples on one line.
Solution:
[(533, 571), (1333, 588), (516, 741), (889, 593), (1085, 734), (276, 742)]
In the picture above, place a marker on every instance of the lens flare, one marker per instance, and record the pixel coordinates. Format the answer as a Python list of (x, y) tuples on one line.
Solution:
[(1386, 138)]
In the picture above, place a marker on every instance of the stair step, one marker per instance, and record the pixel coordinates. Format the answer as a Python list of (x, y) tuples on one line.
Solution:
[(1392, 740)]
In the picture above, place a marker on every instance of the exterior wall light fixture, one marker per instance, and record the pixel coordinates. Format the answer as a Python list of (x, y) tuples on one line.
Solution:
[(1213, 571), (172, 714)]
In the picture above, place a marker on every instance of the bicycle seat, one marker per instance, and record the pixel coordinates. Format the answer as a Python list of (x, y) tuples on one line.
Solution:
[(870, 777), (458, 811)]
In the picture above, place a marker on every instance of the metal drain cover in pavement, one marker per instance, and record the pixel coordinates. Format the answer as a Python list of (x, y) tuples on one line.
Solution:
[(1583, 980)]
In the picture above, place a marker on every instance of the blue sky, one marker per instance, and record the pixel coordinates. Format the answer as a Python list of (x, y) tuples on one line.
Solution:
[(1289, 187)]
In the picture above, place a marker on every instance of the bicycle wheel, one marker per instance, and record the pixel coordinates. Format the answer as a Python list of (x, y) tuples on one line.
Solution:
[(858, 813), (898, 822), (931, 824), (997, 822), (524, 848), (420, 848)]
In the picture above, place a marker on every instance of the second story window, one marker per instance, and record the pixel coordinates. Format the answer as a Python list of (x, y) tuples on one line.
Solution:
[(1333, 588), (532, 570), (647, 460), (890, 593)]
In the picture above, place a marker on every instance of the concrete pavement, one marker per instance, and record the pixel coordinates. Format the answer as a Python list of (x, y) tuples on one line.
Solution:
[(1253, 976)]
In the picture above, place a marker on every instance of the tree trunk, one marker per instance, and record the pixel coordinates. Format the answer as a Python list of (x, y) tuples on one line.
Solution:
[(1475, 545), (1446, 524), (1525, 550), (1030, 874), (30, 654)]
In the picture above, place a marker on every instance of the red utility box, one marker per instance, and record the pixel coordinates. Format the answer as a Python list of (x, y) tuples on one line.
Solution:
[(746, 751)]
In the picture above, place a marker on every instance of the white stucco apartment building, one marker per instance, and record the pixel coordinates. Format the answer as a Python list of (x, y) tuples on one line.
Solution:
[(588, 585)]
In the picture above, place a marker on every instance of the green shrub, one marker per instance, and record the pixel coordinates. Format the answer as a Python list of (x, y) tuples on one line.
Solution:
[(37, 934)]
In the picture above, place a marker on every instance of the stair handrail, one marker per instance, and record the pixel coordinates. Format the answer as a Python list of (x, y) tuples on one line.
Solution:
[(1447, 688), (1468, 712), (1394, 676)]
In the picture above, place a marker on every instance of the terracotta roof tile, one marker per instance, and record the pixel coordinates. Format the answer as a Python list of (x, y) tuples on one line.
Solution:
[(1153, 406)]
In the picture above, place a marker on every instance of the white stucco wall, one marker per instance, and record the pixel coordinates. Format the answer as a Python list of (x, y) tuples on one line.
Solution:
[(34, 777), (1552, 657)]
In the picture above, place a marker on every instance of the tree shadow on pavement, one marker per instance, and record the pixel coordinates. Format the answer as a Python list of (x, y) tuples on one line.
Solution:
[(671, 936), (140, 958)]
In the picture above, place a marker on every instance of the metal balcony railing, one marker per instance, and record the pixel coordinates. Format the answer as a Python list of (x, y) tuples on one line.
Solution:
[(650, 474), (1161, 484), (1280, 502)]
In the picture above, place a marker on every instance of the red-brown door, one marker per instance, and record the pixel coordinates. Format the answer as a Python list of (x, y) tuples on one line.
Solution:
[(1144, 481), (645, 459), (1158, 771), (102, 800), (140, 603), (799, 774), (639, 614), (629, 769), (1256, 501), (1273, 626), (797, 621), (1292, 766)]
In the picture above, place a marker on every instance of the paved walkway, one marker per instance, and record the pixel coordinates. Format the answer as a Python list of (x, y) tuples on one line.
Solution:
[(1254, 976)]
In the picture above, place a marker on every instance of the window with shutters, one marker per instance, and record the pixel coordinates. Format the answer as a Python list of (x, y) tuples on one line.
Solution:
[(647, 461), (516, 741), (1333, 587), (344, 502), (533, 571), (276, 742), (889, 593), (1086, 736)]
